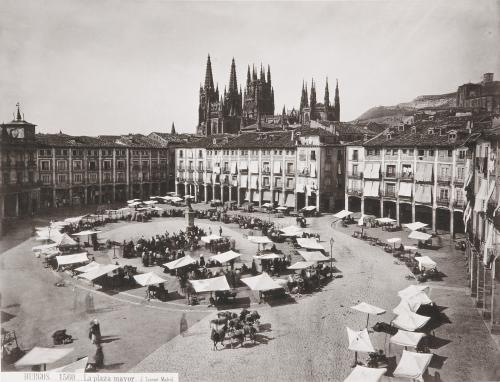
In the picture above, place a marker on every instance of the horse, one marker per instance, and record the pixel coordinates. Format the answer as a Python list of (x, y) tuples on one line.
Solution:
[(218, 336), (218, 321), (252, 317), (244, 313), (239, 335), (250, 331), (235, 323)]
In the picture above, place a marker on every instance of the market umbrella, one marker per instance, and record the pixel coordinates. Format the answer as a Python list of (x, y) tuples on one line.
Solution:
[(315, 256), (385, 220), (267, 205), (415, 226), (66, 241), (365, 374), (412, 290), (406, 339), (368, 309), (226, 256), (291, 231), (359, 341), (210, 238), (268, 256), (394, 240), (410, 321), (417, 235), (73, 367), (425, 262), (179, 263), (302, 265), (261, 282), (280, 208), (342, 214), (42, 356), (210, 285), (309, 243), (149, 278), (413, 365)]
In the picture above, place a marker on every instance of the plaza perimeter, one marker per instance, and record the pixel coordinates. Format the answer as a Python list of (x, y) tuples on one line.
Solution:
[(304, 340)]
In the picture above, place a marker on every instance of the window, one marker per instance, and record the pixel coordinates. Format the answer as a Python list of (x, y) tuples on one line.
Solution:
[(421, 153), (405, 151), (266, 168), (354, 169), (45, 165), (277, 182), (120, 165), (92, 166), (93, 177), (62, 178), (390, 189), (45, 178), (265, 181), (120, 177), (181, 165), (443, 194), (431, 153), (450, 153), (145, 164), (77, 178), (460, 172), (461, 154), (77, 165), (107, 177), (445, 171), (62, 165), (394, 151), (377, 152), (441, 153), (281, 152), (289, 168), (107, 165), (391, 170), (313, 155), (355, 154), (388, 152), (181, 154), (339, 155), (289, 182), (200, 166)]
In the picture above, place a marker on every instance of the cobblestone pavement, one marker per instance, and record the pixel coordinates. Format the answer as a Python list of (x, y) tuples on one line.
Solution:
[(305, 340)]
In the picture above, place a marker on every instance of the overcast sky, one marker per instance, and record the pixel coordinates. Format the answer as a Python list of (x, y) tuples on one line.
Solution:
[(108, 66)]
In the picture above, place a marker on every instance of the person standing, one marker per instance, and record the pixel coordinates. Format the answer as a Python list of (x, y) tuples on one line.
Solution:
[(183, 324), (220, 231)]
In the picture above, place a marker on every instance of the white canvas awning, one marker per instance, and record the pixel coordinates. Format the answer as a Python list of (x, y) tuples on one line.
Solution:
[(413, 365), (415, 226), (260, 239), (300, 187), (210, 285), (254, 181), (365, 374), (412, 290), (371, 188), (73, 367), (342, 214), (309, 208), (410, 321), (302, 265), (359, 341), (266, 195), (425, 262), (243, 165), (225, 257), (277, 167), (268, 256), (315, 256), (385, 220), (405, 189), (309, 243), (179, 263), (72, 259), (233, 168), (417, 235), (289, 200), (149, 278), (424, 172), (66, 241), (261, 282), (312, 171), (368, 308), (254, 167), (481, 195), (255, 195), (88, 267), (86, 233), (43, 356), (244, 181), (393, 240), (423, 193), (372, 171), (99, 271), (404, 338), (210, 238)]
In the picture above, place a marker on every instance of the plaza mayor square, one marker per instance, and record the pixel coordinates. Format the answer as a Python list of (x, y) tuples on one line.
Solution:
[(250, 191)]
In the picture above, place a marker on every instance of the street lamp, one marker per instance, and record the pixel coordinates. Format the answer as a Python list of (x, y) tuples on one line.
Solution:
[(331, 256)]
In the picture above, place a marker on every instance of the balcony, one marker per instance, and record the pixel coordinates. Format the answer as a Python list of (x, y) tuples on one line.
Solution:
[(290, 186), (406, 176), (199, 169), (179, 168), (390, 175), (199, 179), (304, 172), (355, 191), (389, 194), (355, 174), (290, 172), (458, 203), (278, 185), (190, 169), (443, 201), (458, 181), (266, 186), (266, 171), (226, 171), (443, 178)]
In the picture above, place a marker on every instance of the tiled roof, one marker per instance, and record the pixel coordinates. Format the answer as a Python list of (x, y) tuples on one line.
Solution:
[(131, 140)]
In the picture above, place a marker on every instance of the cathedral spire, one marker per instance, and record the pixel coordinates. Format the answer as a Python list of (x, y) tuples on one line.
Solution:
[(312, 98), (172, 130), (327, 95), (248, 76), (209, 79), (268, 74), (337, 102), (18, 117), (233, 85)]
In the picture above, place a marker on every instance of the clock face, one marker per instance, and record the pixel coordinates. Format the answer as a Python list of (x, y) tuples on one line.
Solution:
[(16, 132)]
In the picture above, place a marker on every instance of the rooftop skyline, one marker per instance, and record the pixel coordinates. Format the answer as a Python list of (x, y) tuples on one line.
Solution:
[(114, 67)]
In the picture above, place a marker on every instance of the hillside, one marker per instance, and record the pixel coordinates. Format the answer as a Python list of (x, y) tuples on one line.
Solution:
[(383, 114)]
